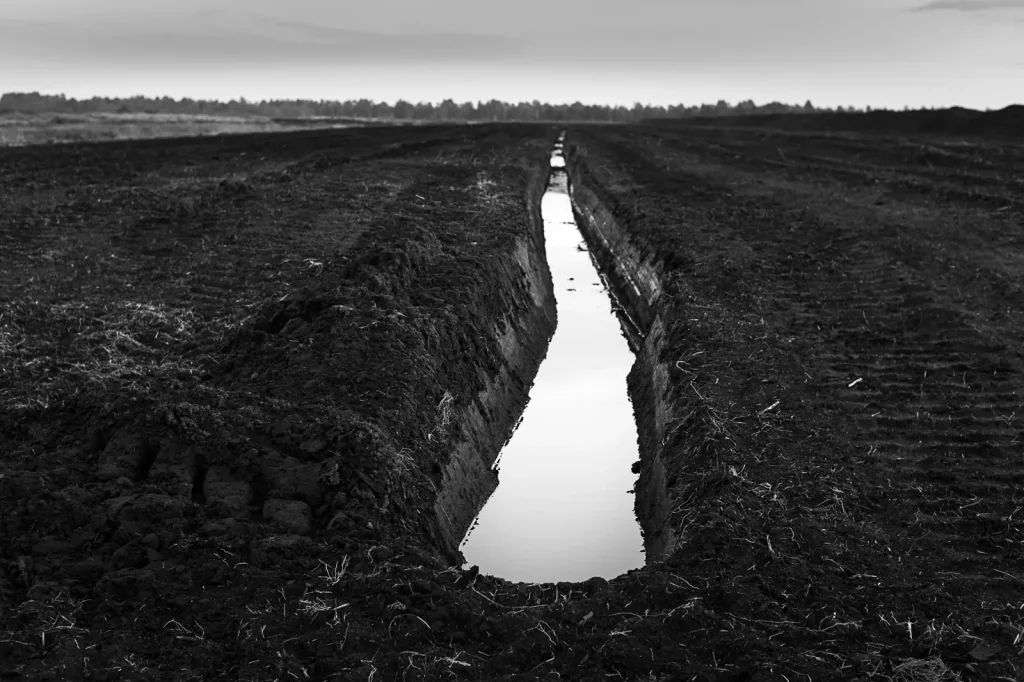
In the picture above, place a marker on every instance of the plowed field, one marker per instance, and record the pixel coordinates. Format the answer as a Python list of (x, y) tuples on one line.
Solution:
[(847, 311), (235, 374)]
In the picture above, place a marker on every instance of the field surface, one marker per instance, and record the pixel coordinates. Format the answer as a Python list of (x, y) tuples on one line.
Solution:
[(846, 320), (228, 368), (20, 129)]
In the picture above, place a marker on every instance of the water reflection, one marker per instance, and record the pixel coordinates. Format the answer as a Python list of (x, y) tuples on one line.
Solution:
[(561, 510)]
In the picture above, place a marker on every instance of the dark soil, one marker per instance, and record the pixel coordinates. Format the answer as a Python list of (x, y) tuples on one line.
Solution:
[(1007, 122), (222, 361), (843, 332)]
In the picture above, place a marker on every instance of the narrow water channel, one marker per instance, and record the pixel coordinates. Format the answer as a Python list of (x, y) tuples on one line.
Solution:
[(562, 510)]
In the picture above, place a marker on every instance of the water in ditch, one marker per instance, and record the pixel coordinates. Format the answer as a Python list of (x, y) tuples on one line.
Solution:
[(562, 510)]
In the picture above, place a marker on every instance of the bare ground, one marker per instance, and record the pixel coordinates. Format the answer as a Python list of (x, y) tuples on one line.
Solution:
[(223, 370)]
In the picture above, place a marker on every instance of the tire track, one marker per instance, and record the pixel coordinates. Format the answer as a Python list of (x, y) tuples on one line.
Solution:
[(919, 382), (931, 403)]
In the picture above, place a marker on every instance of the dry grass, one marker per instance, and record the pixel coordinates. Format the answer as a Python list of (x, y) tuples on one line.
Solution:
[(924, 670), (444, 417), (50, 352), (28, 129), (48, 616)]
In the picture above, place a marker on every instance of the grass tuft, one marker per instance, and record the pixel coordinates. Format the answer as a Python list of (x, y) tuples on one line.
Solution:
[(924, 670)]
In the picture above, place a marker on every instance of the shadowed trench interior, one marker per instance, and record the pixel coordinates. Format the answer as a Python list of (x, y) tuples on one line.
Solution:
[(563, 509)]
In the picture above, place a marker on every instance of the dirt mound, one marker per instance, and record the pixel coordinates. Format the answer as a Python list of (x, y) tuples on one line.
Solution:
[(1004, 123), (232, 363)]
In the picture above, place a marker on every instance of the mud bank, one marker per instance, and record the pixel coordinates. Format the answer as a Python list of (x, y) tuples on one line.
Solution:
[(635, 281), (487, 423)]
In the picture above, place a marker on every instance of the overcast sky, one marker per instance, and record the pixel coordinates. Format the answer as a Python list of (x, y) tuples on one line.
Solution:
[(860, 52)]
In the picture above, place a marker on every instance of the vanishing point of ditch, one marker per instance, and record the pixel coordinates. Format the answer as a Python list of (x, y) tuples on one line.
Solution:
[(563, 509)]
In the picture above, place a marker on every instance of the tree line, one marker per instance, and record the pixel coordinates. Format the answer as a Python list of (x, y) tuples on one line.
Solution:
[(448, 110)]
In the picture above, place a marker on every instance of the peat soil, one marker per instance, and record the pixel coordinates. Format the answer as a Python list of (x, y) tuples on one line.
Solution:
[(228, 368), (1006, 123), (843, 320)]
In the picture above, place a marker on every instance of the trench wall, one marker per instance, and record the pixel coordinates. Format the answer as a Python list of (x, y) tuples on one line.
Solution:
[(637, 285), (487, 423)]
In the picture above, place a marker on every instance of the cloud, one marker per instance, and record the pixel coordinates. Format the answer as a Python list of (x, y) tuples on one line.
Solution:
[(216, 38), (969, 5)]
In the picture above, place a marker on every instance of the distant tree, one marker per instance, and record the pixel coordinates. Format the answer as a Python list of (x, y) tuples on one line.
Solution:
[(404, 110), (424, 111), (745, 107), (448, 110), (362, 109), (491, 111)]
